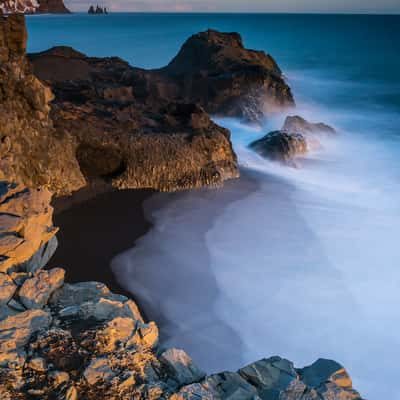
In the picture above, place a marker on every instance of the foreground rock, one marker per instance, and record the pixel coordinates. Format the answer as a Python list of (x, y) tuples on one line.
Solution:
[(281, 146), (294, 140)]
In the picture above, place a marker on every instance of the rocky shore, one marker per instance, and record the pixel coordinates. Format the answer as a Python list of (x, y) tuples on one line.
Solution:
[(33, 7), (122, 126)]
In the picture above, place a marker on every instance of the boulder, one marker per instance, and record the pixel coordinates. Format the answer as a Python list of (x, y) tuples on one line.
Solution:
[(35, 292), (329, 379), (181, 367), (17, 330), (296, 124), (24, 238), (231, 386), (281, 146), (97, 371)]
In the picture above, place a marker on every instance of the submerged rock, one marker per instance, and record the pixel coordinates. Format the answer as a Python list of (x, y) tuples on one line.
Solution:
[(281, 146)]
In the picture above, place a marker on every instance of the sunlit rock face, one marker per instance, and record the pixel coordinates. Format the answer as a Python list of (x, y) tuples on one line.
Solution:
[(18, 6), (31, 153), (33, 6)]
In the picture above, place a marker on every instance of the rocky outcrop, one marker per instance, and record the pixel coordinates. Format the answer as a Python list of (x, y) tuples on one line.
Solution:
[(215, 70), (281, 146), (18, 6), (125, 139), (33, 6), (294, 140), (52, 7), (32, 153), (297, 124)]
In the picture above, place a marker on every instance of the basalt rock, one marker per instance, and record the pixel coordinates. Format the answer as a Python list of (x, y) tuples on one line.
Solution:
[(126, 140), (215, 70), (281, 146), (297, 124)]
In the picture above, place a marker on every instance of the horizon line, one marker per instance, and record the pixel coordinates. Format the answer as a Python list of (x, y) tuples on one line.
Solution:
[(246, 12)]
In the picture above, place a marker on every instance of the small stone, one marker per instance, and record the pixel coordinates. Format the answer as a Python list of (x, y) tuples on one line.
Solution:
[(98, 371), (35, 292), (16, 305), (181, 367), (58, 377), (38, 364)]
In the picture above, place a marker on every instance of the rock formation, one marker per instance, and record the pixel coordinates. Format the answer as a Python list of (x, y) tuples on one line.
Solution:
[(33, 6), (295, 139), (18, 6), (52, 7), (32, 153), (215, 70), (281, 146), (97, 10), (80, 341)]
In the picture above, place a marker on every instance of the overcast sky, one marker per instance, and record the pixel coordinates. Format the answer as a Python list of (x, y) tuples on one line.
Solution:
[(364, 6)]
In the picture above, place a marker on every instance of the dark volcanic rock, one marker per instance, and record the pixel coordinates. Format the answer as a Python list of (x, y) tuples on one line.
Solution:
[(215, 70), (296, 124), (52, 7), (280, 146), (124, 137)]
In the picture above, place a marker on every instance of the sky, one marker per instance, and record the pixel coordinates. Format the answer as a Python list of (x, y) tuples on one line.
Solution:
[(323, 6)]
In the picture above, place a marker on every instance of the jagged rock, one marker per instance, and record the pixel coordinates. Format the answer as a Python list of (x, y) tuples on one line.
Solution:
[(71, 394), (16, 331), (18, 6), (31, 229), (7, 311), (98, 370), (296, 124), (181, 367), (231, 386), (215, 70), (31, 153), (38, 364), (35, 292), (280, 146), (329, 379), (196, 392), (78, 293), (7, 289), (270, 376), (58, 378)]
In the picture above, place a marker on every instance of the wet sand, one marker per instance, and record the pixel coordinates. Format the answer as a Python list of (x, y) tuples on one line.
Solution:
[(93, 232)]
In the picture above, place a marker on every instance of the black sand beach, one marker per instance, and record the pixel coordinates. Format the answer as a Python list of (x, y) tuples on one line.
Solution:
[(95, 231)]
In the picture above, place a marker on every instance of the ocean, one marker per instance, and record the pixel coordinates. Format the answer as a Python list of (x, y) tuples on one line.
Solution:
[(297, 262)]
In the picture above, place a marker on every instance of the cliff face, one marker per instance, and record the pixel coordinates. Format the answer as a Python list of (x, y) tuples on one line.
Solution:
[(18, 6), (31, 152), (33, 6)]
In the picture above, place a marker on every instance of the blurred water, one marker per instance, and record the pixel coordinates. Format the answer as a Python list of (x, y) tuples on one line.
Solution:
[(297, 262)]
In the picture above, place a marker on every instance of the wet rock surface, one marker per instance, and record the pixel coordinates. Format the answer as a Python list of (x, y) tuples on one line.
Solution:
[(281, 146)]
